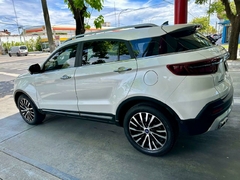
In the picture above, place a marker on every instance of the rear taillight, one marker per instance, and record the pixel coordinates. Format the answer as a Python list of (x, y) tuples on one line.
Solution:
[(203, 67)]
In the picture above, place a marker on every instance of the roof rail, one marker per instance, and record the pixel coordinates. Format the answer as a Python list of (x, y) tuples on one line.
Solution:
[(138, 26)]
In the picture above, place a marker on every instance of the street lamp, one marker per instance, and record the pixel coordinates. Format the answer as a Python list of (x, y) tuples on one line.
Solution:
[(119, 16)]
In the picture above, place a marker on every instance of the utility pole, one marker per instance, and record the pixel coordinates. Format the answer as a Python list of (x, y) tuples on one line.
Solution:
[(48, 25), (180, 11), (209, 16), (16, 20)]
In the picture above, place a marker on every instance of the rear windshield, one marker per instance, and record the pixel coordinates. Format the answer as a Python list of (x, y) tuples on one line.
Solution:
[(169, 43), (23, 47)]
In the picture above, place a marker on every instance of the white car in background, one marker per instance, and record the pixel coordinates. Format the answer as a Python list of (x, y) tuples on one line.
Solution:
[(154, 81), (18, 51)]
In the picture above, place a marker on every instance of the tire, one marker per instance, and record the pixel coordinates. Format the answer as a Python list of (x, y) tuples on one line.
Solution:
[(29, 111), (26, 54), (149, 131), (10, 55)]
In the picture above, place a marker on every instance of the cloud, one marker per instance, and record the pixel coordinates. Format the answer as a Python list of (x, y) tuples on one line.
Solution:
[(148, 12), (120, 12), (61, 6)]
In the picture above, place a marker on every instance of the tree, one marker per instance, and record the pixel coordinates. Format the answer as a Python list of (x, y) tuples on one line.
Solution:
[(80, 11), (206, 28), (48, 25), (228, 10)]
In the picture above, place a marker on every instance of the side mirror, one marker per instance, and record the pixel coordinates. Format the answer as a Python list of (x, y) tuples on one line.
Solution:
[(34, 69)]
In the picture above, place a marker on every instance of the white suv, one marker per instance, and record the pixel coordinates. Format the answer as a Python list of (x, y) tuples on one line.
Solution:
[(155, 81)]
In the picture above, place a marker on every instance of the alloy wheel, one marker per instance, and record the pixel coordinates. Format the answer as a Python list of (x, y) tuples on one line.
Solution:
[(26, 110), (148, 131)]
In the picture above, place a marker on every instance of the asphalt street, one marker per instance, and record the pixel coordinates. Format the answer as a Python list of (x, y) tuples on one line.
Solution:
[(68, 148), (11, 67)]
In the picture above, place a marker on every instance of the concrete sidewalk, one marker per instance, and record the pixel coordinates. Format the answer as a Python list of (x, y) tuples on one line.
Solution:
[(13, 166)]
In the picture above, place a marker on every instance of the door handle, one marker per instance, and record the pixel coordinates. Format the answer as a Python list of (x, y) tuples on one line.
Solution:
[(64, 77), (122, 69)]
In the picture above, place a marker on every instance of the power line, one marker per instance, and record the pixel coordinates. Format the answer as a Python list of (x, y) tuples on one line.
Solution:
[(168, 2), (132, 10), (7, 23), (108, 15)]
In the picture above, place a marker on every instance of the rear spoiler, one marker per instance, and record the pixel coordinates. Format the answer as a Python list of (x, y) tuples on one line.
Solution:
[(180, 27)]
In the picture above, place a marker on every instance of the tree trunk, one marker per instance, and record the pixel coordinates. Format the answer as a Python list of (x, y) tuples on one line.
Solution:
[(78, 15), (234, 36), (79, 19), (48, 25)]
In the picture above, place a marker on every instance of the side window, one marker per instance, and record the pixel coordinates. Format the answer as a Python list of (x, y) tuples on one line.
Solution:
[(98, 52), (64, 58), (154, 46)]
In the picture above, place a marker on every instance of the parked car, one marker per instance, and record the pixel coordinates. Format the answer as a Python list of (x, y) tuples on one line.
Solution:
[(212, 40), (216, 36), (45, 47), (18, 51), (154, 81)]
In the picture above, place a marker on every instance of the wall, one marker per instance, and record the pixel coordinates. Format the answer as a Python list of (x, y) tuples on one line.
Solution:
[(16, 38)]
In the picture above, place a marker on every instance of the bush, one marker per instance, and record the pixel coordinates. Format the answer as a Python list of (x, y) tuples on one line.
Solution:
[(32, 45)]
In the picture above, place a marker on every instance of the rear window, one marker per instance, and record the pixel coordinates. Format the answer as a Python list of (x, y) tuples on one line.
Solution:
[(23, 47), (191, 40), (169, 43)]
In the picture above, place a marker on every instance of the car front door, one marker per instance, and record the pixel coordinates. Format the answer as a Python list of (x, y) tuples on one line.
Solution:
[(105, 77), (55, 85)]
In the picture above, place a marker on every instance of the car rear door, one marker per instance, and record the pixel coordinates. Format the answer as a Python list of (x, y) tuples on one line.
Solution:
[(105, 77)]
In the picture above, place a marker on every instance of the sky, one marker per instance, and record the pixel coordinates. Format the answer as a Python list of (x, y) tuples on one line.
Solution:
[(118, 13)]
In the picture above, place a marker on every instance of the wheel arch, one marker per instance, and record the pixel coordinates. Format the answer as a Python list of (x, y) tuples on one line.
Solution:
[(127, 104), (17, 94)]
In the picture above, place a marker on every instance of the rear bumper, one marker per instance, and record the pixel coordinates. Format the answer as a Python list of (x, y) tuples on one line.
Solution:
[(212, 116)]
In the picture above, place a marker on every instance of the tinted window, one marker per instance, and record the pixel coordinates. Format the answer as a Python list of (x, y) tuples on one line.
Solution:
[(191, 40), (64, 58), (23, 47), (169, 43), (154, 46), (97, 52)]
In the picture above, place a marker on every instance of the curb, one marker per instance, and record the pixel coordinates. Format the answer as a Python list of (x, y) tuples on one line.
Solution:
[(38, 54)]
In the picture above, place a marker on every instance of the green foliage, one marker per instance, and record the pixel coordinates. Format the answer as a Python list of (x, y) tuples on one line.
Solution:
[(99, 21), (101, 48), (79, 4), (219, 8), (227, 9), (206, 28), (95, 4), (32, 45), (201, 1), (38, 44), (123, 49), (88, 4), (87, 26)]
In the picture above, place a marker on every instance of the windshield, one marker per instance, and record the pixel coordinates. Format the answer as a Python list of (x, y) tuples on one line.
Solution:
[(23, 47)]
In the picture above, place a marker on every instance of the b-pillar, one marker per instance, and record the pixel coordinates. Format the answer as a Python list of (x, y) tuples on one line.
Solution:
[(180, 11)]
